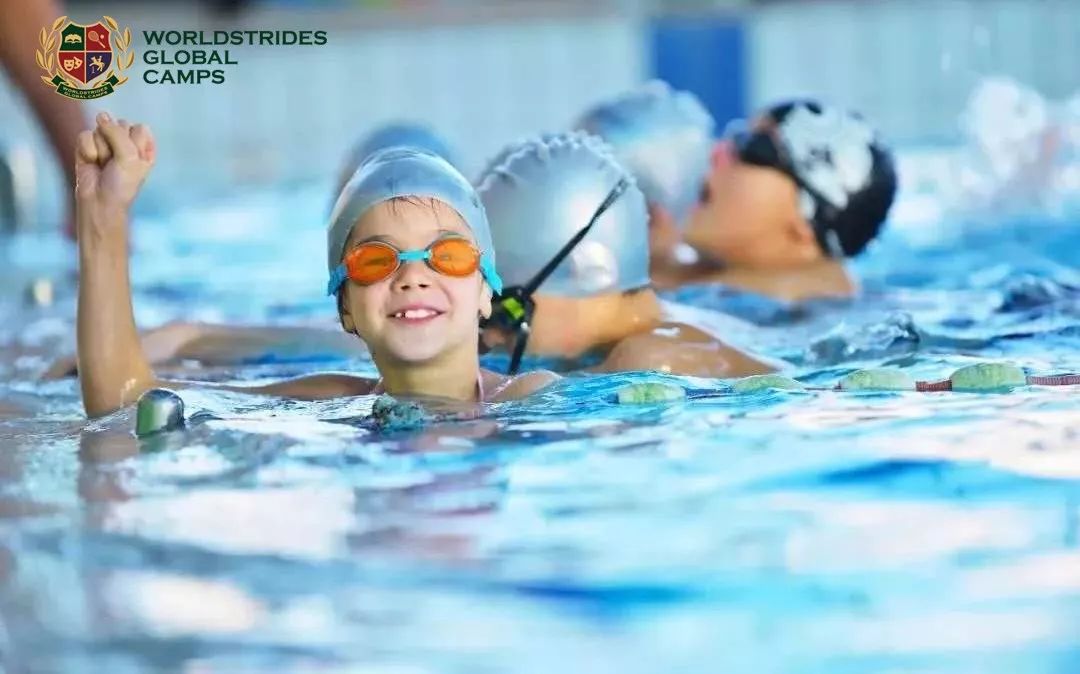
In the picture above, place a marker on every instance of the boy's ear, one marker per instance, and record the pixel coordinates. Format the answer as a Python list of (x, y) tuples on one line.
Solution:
[(347, 323), (485, 300)]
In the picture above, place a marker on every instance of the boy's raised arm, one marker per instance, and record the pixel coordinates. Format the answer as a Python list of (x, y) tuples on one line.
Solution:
[(112, 161)]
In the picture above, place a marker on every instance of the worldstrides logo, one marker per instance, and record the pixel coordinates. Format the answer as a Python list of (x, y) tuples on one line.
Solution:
[(85, 62)]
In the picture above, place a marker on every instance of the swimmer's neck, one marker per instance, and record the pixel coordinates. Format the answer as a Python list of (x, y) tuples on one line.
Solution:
[(818, 279), (821, 278), (453, 376)]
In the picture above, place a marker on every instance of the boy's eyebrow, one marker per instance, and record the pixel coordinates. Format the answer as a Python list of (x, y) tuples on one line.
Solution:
[(451, 232), (377, 237), (381, 238)]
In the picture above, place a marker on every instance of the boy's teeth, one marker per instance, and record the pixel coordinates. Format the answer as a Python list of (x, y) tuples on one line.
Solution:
[(415, 313)]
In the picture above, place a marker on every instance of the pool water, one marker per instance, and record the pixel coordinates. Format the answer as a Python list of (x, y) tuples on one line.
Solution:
[(776, 532)]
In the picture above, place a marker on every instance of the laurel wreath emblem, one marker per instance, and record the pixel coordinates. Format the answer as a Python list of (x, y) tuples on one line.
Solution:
[(48, 39)]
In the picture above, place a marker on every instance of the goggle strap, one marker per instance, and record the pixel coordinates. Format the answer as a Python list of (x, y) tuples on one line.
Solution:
[(555, 261), (832, 243), (519, 351), (515, 308), (337, 277), (490, 275), (413, 255)]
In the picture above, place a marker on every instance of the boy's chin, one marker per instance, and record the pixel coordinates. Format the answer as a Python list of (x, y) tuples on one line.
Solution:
[(415, 356), (417, 350)]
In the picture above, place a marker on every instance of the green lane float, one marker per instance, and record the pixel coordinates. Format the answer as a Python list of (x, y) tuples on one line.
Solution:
[(877, 379), (649, 393)]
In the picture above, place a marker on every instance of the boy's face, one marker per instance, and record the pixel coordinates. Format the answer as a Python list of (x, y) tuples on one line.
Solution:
[(416, 314), (749, 216)]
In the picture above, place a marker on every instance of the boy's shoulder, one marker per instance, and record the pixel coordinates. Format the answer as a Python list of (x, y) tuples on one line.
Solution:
[(644, 351), (506, 387), (678, 348), (666, 336)]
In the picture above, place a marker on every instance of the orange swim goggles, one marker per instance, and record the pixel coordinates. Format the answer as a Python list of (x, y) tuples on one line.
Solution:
[(375, 261)]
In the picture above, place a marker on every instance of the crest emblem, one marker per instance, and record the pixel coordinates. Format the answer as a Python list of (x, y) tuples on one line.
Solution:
[(84, 61)]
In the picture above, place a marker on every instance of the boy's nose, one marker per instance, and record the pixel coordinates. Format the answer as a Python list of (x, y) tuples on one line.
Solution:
[(413, 274)]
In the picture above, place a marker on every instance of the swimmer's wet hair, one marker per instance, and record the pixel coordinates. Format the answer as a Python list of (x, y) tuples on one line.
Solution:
[(637, 291), (394, 204)]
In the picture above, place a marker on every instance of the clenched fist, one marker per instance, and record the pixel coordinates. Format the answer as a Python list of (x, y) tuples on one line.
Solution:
[(111, 164)]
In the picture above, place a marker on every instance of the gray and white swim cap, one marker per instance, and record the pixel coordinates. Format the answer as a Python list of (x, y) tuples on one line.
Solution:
[(543, 192), (663, 137), (406, 172)]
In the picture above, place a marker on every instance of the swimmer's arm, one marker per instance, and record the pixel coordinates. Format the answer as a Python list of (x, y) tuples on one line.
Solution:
[(751, 280), (112, 163), (784, 285), (114, 369), (229, 344), (310, 387), (61, 117)]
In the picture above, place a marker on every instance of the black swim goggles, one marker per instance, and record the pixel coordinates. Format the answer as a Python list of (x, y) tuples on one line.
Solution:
[(763, 147), (513, 309)]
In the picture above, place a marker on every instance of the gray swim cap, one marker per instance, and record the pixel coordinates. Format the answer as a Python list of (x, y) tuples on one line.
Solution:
[(664, 137), (404, 134), (543, 192), (406, 172), (516, 146)]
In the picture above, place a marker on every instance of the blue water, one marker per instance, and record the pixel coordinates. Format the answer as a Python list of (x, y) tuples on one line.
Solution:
[(776, 532)]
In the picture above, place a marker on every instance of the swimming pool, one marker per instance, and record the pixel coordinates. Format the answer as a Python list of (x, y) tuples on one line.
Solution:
[(782, 531)]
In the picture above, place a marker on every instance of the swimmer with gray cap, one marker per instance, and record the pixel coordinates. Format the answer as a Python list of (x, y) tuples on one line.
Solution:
[(410, 262), (664, 138), (570, 228)]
